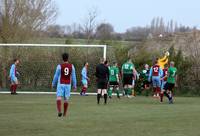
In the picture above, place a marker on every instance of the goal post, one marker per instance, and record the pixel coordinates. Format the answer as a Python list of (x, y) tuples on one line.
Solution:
[(39, 61), (58, 45)]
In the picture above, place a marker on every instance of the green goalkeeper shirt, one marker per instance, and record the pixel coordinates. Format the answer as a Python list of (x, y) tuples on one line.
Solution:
[(113, 73)]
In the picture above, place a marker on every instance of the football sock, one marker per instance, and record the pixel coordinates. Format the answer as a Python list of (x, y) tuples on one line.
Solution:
[(126, 91), (66, 105), (117, 91), (129, 91), (59, 106), (158, 90), (167, 95), (105, 98), (14, 88), (161, 97), (154, 91), (109, 92), (98, 98), (84, 90)]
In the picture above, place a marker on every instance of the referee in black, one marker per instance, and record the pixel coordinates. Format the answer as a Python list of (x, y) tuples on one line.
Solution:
[(102, 74)]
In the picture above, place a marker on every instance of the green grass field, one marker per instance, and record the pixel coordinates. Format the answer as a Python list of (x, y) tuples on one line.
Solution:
[(35, 115)]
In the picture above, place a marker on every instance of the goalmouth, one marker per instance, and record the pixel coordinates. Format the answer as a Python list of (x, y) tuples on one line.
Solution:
[(58, 45), (32, 58)]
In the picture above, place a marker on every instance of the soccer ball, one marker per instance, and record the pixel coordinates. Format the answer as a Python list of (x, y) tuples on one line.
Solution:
[(167, 53)]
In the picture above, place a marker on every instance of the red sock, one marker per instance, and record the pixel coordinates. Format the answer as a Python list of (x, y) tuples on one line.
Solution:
[(15, 88), (59, 106), (84, 90), (66, 104), (158, 90), (154, 91), (12, 88)]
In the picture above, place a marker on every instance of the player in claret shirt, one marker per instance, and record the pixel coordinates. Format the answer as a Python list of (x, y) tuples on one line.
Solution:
[(13, 77), (155, 75), (65, 72), (164, 81)]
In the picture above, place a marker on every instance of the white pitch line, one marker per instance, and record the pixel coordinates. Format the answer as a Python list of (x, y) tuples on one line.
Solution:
[(51, 93)]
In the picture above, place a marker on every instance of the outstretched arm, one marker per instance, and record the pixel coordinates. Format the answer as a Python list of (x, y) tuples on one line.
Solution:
[(56, 76), (74, 77)]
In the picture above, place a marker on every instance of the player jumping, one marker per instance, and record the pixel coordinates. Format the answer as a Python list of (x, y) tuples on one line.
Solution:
[(85, 79), (65, 72), (13, 77), (113, 80), (164, 81), (171, 81), (155, 76)]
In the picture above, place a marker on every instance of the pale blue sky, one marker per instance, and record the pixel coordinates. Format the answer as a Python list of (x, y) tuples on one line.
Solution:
[(123, 14)]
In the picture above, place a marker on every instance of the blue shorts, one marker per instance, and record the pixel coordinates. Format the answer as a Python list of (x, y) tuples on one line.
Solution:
[(163, 84), (14, 80), (156, 81), (63, 91), (84, 82)]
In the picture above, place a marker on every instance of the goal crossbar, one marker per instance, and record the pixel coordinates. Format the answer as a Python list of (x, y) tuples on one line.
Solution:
[(58, 45)]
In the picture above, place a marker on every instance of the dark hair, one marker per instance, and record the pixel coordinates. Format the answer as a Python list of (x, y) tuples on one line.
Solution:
[(85, 63), (105, 62), (15, 60), (65, 56)]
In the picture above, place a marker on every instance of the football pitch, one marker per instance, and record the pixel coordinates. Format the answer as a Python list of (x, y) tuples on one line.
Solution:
[(35, 115)]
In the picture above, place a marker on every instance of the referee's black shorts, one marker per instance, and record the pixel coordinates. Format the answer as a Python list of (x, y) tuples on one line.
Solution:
[(127, 79), (102, 84), (115, 83)]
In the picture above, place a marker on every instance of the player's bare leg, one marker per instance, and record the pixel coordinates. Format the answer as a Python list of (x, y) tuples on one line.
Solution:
[(59, 103)]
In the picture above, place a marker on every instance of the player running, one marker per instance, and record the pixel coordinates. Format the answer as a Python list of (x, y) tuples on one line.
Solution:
[(85, 79), (155, 76), (102, 74), (171, 81), (113, 80), (128, 74), (65, 72), (13, 77), (164, 81)]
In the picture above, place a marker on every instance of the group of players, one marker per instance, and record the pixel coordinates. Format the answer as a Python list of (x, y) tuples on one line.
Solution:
[(108, 80)]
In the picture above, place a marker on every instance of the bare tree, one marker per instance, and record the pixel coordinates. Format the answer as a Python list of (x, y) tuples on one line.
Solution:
[(89, 25), (104, 31), (22, 18)]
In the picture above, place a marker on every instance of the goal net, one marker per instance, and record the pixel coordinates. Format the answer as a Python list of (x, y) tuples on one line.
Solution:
[(38, 63)]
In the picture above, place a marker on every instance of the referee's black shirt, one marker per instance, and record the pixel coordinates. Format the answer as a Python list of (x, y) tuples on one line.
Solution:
[(102, 72)]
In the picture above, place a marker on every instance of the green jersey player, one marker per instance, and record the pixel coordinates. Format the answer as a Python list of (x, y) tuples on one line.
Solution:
[(171, 81), (128, 74), (113, 80)]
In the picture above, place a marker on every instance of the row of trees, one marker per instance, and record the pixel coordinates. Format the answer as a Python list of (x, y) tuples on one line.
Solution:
[(90, 29), (22, 19)]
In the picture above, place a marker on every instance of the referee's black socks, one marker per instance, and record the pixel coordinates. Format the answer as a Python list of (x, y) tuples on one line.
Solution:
[(98, 98), (105, 98)]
